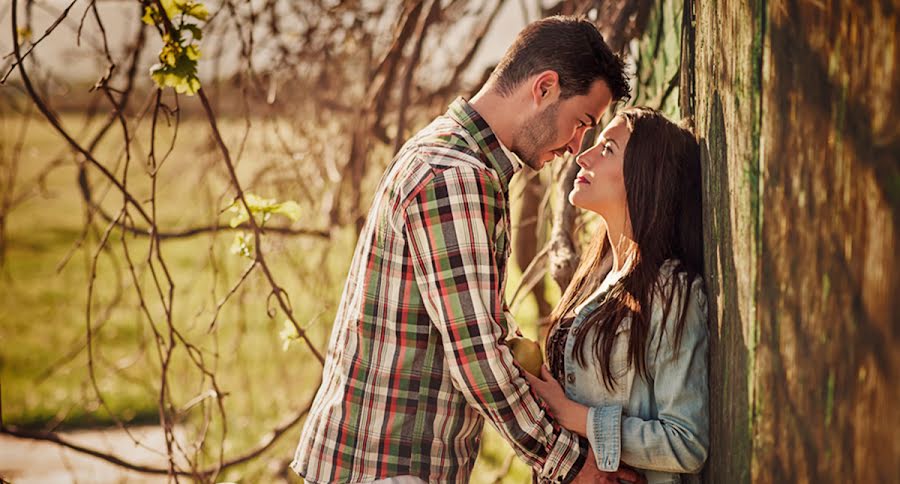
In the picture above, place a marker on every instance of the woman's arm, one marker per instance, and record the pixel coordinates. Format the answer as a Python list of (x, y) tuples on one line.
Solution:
[(678, 439), (572, 416)]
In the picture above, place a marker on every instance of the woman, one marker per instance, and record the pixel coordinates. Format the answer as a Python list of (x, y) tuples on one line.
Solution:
[(628, 339)]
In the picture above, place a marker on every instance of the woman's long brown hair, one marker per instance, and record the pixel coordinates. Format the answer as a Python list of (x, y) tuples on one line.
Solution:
[(663, 191)]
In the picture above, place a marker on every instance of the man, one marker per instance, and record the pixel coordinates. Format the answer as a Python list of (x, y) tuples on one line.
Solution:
[(417, 359)]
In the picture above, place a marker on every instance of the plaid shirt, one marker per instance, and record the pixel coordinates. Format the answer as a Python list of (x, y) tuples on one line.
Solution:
[(415, 362)]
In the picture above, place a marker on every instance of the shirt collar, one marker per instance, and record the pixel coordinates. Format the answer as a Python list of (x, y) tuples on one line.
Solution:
[(513, 158), (503, 161)]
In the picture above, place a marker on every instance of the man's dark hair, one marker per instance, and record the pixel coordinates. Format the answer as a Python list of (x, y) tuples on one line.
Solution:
[(573, 47)]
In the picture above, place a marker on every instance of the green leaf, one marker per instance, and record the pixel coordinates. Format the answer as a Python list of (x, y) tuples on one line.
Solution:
[(150, 16), (242, 245), (257, 203), (195, 31), (240, 217), (169, 54), (192, 52), (171, 7), (196, 10), (290, 209), (262, 209), (288, 334), (23, 34), (188, 85), (160, 75), (178, 55)]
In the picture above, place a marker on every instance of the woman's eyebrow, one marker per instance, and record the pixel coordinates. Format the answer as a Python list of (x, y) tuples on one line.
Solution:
[(608, 140)]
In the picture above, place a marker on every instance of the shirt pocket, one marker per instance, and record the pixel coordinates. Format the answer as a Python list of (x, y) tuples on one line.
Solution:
[(621, 369), (619, 358)]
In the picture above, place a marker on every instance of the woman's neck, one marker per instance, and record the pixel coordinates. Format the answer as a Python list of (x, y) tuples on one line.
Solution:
[(622, 245)]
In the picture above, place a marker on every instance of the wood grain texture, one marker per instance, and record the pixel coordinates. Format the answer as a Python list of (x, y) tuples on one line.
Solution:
[(828, 361), (727, 64), (795, 106)]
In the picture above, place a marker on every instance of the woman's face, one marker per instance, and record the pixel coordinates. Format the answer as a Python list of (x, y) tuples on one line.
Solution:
[(600, 184)]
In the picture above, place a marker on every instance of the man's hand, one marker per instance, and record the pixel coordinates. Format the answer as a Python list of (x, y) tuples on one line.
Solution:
[(590, 474)]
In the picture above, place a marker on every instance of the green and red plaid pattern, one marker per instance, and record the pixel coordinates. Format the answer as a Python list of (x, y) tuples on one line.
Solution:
[(415, 362)]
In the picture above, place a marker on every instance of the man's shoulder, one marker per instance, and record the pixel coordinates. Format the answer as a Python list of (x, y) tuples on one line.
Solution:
[(441, 153), (445, 144)]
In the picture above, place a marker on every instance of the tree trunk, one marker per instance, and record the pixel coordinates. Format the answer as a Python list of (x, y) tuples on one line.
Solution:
[(563, 254), (793, 103), (527, 239)]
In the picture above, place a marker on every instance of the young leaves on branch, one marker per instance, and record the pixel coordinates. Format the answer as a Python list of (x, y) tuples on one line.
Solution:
[(288, 335), (23, 34), (262, 209), (181, 35)]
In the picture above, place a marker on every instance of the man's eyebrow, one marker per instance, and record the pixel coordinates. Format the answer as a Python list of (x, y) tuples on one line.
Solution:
[(593, 120)]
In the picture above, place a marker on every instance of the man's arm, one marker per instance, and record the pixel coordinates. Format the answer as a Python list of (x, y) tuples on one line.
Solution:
[(447, 229)]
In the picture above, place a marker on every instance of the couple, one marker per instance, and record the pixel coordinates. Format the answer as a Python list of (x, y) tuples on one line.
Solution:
[(418, 358)]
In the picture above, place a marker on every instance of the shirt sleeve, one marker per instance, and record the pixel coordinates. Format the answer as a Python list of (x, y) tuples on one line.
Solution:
[(678, 439), (450, 227)]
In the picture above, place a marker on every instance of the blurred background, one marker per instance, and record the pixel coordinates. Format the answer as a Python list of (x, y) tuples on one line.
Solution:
[(150, 327)]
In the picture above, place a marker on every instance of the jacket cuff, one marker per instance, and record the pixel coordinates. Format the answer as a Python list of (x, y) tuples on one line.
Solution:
[(566, 458), (604, 432)]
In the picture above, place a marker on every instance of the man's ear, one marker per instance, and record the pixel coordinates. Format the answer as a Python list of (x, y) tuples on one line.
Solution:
[(545, 87)]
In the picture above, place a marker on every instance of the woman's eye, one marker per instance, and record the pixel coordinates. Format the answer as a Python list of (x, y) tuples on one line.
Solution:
[(605, 150)]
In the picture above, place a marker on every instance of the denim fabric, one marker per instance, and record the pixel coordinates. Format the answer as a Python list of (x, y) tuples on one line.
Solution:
[(658, 425)]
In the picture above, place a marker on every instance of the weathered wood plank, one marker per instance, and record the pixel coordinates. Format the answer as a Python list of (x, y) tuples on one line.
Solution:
[(727, 63), (796, 108)]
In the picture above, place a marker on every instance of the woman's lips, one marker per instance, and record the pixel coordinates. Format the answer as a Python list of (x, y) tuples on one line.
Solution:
[(582, 179)]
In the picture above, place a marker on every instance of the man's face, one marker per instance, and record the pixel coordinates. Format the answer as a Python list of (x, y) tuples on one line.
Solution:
[(560, 126)]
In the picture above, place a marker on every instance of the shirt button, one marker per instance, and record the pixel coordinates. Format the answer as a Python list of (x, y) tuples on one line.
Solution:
[(570, 378)]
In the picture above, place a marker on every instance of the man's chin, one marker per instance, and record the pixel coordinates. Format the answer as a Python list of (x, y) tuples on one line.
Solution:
[(537, 164)]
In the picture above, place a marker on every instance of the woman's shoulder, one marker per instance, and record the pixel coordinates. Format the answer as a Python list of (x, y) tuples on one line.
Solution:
[(673, 287), (672, 273)]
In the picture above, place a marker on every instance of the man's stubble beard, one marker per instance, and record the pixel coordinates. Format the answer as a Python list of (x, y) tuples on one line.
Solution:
[(535, 135)]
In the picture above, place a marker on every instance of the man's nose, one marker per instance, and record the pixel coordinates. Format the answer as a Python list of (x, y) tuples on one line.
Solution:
[(574, 145)]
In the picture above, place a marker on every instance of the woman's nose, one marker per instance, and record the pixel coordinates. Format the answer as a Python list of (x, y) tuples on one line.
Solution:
[(583, 160)]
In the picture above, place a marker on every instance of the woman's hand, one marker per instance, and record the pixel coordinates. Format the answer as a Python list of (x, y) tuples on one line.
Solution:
[(569, 413)]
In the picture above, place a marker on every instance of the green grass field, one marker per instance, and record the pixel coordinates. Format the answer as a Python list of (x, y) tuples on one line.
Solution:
[(43, 319)]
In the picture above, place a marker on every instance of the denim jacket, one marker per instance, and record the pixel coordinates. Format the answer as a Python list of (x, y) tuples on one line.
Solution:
[(658, 425)]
